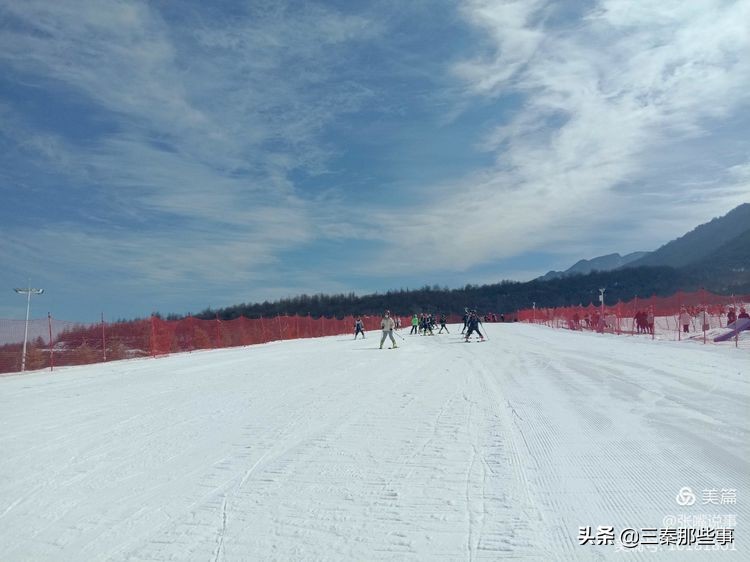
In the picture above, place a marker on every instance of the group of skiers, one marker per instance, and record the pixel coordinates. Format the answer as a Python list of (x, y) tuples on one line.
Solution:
[(422, 324), (732, 316), (702, 317), (644, 321)]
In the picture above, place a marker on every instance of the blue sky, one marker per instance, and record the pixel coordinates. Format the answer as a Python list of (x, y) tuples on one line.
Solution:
[(171, 156)]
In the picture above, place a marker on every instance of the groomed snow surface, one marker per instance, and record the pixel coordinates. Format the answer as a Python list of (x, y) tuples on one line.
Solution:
[(330, 449)]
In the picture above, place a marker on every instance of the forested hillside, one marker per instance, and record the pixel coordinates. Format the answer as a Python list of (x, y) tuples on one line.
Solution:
[(504, 297)]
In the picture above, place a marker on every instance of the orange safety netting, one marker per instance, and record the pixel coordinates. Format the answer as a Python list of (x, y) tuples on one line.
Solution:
[(676, 317), (53, 342)]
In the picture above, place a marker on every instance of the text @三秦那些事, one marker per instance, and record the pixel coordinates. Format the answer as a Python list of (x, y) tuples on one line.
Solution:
[(605, 535)]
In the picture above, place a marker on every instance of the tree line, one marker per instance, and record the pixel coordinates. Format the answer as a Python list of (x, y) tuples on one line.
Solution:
[(505, 297)]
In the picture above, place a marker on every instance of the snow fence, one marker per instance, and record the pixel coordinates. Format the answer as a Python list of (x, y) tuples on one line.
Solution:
[(53, 342), (705, 314)]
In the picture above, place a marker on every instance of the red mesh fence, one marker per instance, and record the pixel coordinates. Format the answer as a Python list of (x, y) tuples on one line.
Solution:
[(53, 342), (699, 315)]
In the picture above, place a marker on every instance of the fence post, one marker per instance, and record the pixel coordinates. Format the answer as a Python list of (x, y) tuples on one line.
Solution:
[(706, 318), (191, 333), (652, 310), (104, 341), (736, 333), (51, 347), (218, 332), (153, 336)]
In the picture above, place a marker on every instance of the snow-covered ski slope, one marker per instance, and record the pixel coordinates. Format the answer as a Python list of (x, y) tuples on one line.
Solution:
[(330, 449)]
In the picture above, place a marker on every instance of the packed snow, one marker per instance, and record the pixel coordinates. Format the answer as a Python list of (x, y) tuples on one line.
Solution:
[(331, 449)]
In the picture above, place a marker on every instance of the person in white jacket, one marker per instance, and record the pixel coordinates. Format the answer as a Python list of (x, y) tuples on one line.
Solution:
[(387, 325), (704, 319), (685, 319)]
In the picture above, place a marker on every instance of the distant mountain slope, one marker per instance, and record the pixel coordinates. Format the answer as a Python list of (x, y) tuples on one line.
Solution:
[(701, 242), (602, 263), (728, 268)]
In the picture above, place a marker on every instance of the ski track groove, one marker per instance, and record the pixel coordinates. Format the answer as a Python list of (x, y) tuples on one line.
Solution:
[(222, 532)]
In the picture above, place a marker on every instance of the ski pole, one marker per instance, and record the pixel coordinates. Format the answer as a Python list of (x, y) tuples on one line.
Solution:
[(486, 336)]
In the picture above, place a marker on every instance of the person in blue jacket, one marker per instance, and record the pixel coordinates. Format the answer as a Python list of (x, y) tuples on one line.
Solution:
[(359, 328), (473, 325)]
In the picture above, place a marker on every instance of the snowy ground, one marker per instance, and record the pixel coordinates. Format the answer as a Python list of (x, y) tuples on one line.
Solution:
[(330, 449)]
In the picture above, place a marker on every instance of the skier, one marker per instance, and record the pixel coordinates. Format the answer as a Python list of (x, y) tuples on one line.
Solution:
[(359, 328), (704, 319), (387, 324), (424, 325), (685, 320), (443, 320), (414, 324), (731, 316), (466, 320), (473, 324)]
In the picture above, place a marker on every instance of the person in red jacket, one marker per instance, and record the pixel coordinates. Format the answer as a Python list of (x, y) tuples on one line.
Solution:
[(731, 315)]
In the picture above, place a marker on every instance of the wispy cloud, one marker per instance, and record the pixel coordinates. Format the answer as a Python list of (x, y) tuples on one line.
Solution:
[(199, 144), (607, 103), (209, 114), (227, 93)]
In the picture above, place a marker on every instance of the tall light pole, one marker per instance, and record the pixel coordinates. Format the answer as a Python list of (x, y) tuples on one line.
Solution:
[(28, 292)]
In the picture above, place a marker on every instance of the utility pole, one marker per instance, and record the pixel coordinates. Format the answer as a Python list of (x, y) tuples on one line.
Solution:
[(28, 292)]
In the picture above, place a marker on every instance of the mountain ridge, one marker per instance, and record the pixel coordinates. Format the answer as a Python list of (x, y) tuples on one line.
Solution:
[(691, 248), (600, 263), (699, 243)]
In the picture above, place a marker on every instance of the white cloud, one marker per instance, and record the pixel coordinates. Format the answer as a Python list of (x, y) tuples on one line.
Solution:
[(211, 115), (606, 104), (741, 174), (514, 40)]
